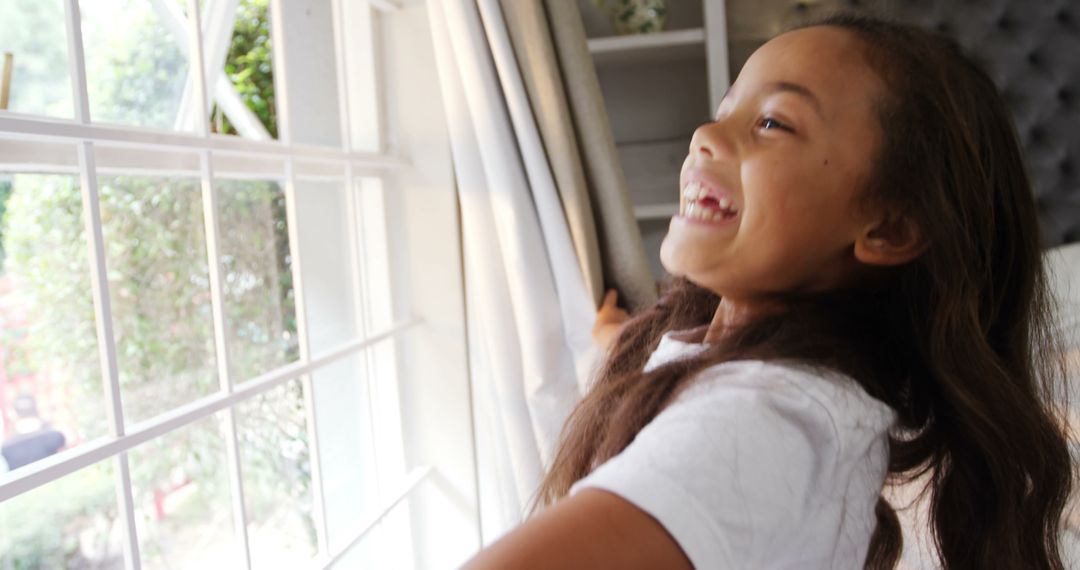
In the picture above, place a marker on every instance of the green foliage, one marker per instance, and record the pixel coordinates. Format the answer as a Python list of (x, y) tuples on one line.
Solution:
[(249, 65), (47, 261), (41, 529)]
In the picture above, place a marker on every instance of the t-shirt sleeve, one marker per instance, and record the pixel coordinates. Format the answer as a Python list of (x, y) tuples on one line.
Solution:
[(735, 469)]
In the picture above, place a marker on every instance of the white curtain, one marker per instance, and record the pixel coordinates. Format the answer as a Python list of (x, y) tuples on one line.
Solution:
[(529, 312)]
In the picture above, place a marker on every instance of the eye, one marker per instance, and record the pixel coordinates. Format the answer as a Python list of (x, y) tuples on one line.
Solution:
[(769, 123)]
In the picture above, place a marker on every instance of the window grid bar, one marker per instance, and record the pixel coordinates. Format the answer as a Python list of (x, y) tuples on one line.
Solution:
[(110, 371), (24, 167), (360, 299), (196, 67), (281, 90), (76, 64), (56, 466), (381, 116), (14, 127), (304, 346), (212, 223), (284, 116), (412, 481), (337, 20), (360, 294), (99, 281), (385, 5)]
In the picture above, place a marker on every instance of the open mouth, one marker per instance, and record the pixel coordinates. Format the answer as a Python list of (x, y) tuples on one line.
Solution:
[(704, 205)]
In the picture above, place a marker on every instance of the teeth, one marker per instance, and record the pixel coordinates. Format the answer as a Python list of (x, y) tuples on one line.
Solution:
[(693, 192)]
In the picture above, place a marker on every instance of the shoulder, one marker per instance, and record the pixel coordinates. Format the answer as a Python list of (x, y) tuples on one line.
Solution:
[(790, 387), (753, 455)]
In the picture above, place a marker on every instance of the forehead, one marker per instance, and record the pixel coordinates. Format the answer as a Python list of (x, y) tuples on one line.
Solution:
[(829, 62)]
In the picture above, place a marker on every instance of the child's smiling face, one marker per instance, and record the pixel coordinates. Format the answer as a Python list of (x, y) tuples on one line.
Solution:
[(769, 191)]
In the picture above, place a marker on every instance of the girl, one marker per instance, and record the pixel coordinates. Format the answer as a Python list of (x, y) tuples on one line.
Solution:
[(859, 295)]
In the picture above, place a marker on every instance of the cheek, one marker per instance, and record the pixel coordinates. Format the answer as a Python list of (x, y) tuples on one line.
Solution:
[(779, 193), (798, 200)]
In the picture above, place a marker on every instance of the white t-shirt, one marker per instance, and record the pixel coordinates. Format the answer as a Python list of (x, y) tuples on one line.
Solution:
[(758, 465)]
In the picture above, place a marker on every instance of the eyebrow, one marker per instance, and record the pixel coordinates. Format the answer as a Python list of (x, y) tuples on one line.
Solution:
[(788, 87)]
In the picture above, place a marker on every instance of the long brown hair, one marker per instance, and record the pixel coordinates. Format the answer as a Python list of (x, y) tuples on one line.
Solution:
[(957, 342)]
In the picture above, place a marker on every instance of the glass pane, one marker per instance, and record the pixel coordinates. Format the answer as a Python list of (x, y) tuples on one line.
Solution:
[(376, 205), (69, 523), (347, 444), (379, 548), (375, 252), (247, 65), (51, 394), (160, 286), (276, 467), (329, 291), (183, 505), (257, 277), (137, 67), (361, 85), (34, 33)]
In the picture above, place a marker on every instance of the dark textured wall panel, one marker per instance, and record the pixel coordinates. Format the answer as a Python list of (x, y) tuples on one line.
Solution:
[(1032, 50)]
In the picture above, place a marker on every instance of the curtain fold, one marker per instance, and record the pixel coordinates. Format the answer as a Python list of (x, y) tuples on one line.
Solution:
[(532, 255), (568, 105), (535, 55), (623, 260)]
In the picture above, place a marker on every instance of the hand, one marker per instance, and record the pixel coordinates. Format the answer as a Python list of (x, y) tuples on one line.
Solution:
[(610, 319)]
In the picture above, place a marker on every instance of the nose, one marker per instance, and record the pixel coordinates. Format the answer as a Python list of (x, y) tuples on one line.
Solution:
[(711, 141)]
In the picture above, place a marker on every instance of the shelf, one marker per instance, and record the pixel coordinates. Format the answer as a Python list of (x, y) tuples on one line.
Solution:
[(658, 46), (655, 211)]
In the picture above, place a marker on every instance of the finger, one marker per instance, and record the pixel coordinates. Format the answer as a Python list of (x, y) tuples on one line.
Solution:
[(611, 298)]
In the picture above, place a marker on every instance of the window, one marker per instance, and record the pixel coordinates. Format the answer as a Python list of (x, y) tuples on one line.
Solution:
[(201, 327)]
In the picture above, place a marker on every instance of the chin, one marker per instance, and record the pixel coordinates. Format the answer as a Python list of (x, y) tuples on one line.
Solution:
[(681, 262)]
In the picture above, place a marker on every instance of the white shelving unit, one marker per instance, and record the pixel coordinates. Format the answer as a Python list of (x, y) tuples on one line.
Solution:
[(659, 46), (658, 88), (656, 211)]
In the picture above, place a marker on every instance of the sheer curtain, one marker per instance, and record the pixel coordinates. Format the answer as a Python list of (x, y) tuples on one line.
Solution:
[(533, 269)]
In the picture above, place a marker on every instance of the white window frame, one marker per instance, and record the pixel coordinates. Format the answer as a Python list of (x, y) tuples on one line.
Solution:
[(454, 480)]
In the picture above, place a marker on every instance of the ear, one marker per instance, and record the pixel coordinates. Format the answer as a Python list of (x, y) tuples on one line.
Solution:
[(890, 241)]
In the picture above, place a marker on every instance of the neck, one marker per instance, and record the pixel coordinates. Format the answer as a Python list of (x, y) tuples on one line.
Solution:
[(734, 313)]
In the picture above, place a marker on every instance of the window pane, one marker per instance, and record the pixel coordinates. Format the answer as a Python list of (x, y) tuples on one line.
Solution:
[(240, 52), (379, 548), (372, 212), (136, 62), (34, 33), (180, 485), (160, 286), (329, 291), (347, 447), (276, 467), (69, 523), (257, 276), (314, 114), (51, 395)]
